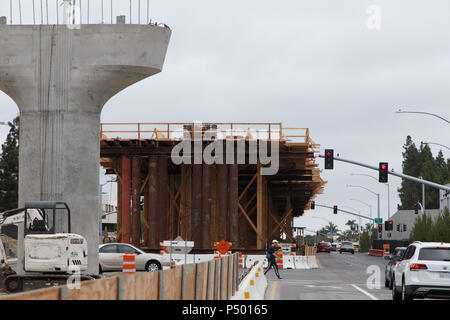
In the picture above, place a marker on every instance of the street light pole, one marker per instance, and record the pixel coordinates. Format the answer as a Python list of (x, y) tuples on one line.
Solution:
[(422, 143), (378, 201), (377, 194), (370, 207), (388, 193), (427, 113)]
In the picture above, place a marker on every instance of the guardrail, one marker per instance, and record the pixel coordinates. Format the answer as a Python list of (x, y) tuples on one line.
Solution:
[(178, 131), (212, 280), (47, 12)]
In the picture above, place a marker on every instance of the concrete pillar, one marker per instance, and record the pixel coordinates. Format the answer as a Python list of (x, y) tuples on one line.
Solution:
[(126, 199), (135, 202), (60, 79)]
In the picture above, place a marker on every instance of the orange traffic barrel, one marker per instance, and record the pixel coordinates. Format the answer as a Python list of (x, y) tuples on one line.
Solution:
[(129, 263)]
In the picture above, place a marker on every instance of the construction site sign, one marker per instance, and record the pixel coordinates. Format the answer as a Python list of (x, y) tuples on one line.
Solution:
[(223, 246)]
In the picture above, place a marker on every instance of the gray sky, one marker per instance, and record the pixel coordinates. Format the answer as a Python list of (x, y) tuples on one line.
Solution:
[(311, 64)]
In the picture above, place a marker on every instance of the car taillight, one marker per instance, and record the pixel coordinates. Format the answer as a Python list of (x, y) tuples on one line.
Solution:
[(418, 266), (396, 262)]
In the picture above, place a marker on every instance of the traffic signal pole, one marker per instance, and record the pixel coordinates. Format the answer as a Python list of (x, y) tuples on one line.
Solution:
[(355, 214), (400, 175)]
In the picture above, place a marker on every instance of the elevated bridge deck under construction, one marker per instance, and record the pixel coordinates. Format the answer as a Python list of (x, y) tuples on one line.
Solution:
[(206, 201)]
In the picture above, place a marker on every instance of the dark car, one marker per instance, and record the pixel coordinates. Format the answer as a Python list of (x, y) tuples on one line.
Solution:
[(394, 259), (324, 246)]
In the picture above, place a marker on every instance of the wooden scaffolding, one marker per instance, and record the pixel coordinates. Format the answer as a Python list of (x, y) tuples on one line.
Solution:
[(207, 202)]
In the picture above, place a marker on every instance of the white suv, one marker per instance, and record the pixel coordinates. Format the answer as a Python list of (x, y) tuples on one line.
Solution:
[(424, 272)]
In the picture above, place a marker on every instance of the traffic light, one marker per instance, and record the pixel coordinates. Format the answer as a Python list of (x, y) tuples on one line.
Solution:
[(383, 172), (313, 205), (329, 158), (380, 228), (335, 209), (388, 225)]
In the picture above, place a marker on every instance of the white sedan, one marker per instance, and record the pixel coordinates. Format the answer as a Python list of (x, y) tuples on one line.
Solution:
[(111, 258)]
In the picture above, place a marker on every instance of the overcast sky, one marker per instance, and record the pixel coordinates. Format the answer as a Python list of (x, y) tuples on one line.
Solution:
[(313, 64)]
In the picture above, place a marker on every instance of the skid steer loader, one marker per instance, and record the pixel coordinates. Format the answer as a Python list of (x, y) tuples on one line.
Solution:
[(50, 257)]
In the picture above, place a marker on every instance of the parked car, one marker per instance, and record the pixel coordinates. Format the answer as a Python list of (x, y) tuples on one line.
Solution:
[(347, 246), (394, 259), (424, 272), (111, 258), (323, 246), (333, 247)]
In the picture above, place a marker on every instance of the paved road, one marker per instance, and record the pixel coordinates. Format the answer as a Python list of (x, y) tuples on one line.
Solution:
[(342, 276)]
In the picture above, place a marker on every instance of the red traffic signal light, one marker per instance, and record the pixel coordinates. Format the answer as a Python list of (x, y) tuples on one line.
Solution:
[(383, 172), (313, 205), (388, 225), (380, 228), (335, 209), (329, 158)]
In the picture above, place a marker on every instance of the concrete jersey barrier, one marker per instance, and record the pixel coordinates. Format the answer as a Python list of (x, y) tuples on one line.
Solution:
[(253, 286)]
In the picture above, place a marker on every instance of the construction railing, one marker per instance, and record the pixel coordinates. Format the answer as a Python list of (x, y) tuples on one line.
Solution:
[(212, 280), (46, 12), (178, 131)]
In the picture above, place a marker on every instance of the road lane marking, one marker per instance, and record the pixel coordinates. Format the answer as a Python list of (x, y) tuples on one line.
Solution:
[(314, 286), (365, 292), (273, 290)]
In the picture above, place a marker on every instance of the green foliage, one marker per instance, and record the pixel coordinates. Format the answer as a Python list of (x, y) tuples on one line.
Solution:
[(367, 236), (9, 168), (428, 231), (420, 163)]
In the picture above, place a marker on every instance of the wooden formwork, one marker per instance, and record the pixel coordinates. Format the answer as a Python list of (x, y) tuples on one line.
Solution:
[(208, 202), (210, 280)]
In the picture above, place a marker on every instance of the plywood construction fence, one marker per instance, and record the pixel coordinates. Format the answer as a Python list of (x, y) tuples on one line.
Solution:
[(232, 197), (212, 280)]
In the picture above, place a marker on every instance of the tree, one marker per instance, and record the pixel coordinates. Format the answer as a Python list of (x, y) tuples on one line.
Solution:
[(422, 229), (409, 191), (430, 172), (330, 228), (351, 224), (367, 236), (425, 229), (9, 168), (420, 163), (441, 227)]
